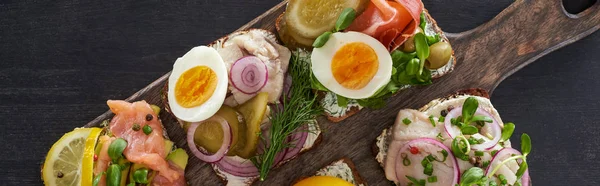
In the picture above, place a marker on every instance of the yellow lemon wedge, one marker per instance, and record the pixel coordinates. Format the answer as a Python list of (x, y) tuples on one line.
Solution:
[(323, 181), (70, 161)]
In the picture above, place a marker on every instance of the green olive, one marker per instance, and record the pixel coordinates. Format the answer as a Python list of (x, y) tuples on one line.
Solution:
[(439, 55), (409, 44)]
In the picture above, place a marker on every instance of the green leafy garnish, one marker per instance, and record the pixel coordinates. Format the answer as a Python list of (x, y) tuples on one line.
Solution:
[(345, 19), (469, 108), (322, 39), (460, 148), (525, 150), (473, 176), (406, 121), (299, 110), (422, 50), (342, 101), (422, 20), (433, 39), (507, 131), (469, 130)]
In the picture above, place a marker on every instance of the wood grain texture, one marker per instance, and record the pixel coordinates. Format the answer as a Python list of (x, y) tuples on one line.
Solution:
[(529, 26), (61, 60)]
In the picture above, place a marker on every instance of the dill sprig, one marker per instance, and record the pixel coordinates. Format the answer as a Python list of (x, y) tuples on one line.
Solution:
[(298, 110)]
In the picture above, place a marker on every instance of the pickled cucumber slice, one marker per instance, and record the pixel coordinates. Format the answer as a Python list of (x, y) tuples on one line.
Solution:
[(311, 18), (253, 111), (209, 135)]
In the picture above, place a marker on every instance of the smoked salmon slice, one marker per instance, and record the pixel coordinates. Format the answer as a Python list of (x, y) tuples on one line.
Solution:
[(147, 149), (390, 22)]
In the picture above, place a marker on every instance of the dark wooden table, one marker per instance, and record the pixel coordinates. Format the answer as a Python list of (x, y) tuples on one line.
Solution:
[(61, 60)]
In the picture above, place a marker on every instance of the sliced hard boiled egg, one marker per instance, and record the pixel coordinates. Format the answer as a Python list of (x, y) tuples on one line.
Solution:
[(197, 84), (352, 64)]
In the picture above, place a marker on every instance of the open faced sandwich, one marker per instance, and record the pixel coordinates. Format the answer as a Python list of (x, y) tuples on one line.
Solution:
[(460, 140), (244, 105), (338, 173), (131, 149), (364, 51)]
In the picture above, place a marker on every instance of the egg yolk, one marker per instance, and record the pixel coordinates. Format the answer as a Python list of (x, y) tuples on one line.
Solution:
[(354, 65), (195, 86)]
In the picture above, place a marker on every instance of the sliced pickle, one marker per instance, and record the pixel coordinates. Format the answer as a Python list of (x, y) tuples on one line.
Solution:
[(311, 18), (253, 111), (209, 135)]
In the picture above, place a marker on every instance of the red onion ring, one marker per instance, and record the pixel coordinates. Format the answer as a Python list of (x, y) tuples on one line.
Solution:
[(525, 179), (248, 74), (431, 141), (298, 138), (236, 167), (453, 132), (224, 147)]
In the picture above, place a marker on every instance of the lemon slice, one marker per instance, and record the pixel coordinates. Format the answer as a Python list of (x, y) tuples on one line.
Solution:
[(70, 160), (311, 18)]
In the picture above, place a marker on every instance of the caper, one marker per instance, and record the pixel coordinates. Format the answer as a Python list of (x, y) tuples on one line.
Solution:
[(409, 44), (439, 55)]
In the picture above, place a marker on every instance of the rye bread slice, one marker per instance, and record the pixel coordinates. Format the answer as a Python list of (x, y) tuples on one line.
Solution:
[(351, 110), (383, 137), (314, 138), (357, 179)]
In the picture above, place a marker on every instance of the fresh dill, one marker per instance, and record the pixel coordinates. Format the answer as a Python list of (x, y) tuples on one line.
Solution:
[(299, 109)]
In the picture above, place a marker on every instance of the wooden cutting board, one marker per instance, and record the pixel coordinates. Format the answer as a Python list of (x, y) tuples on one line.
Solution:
[(522, 33)]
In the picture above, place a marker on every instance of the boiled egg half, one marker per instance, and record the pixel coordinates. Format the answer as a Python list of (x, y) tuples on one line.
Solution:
[(197, 84), (352, 65)]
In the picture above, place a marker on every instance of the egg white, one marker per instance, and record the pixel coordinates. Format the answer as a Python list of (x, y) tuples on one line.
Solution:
[(199, 56), (321, 59)]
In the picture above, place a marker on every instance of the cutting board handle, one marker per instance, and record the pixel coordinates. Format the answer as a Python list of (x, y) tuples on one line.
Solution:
[(520, 34)]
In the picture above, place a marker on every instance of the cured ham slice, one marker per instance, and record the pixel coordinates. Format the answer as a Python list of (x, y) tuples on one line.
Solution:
[(147, 149), (390, 22)]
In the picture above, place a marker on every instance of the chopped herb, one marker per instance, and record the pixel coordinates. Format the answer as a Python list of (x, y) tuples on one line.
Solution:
[(405, 160), (427, 165), (440, 137), (493, 153), (493, 183), (441, 119), (406, 121), (445, 154), (342, 101), (432, 120), (432, 179), (478, 153), (415, 181), (502, 179), (485, 164)]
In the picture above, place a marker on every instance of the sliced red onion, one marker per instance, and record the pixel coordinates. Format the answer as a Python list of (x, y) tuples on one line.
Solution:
[(494, 127), (238, 166), (400, 175), (501, 155), (298, 139), (224, 147), (248, 74)]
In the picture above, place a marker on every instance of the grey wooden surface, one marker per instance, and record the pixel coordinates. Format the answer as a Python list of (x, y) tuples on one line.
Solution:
[(61, 60)]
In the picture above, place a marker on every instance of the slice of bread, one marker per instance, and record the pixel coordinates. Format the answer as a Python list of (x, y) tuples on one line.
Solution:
[(343, 168), (382, 142), (335, 113), (312, 140)]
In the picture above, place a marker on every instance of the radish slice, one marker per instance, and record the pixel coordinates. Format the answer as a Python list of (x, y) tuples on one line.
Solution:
[(489, 128), (298, 139), (502, 155), (248, 74), (224, 147), (425, 146)]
